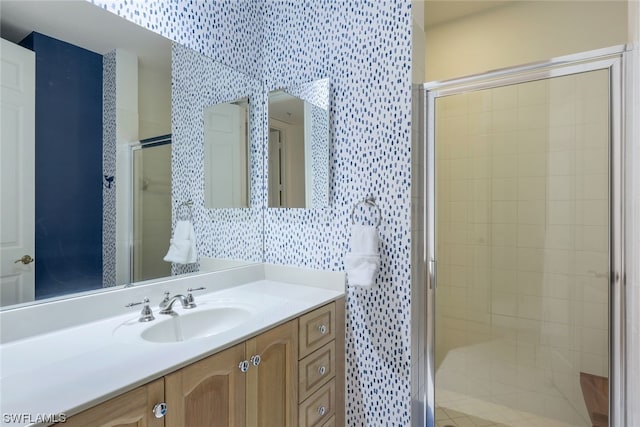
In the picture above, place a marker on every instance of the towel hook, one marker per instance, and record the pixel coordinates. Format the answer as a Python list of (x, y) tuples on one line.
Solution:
[(369, 201), (189, 205)]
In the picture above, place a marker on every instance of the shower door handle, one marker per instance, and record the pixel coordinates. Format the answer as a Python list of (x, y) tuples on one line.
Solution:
[(433, 274)]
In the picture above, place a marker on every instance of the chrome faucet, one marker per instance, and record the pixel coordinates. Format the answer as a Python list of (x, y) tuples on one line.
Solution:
[(166, 305), (146, 315)]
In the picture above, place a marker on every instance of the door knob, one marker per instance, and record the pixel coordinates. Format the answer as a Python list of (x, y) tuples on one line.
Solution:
[(26, 259)]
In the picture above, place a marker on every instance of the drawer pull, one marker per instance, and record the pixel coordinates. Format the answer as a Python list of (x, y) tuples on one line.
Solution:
[(244, 366), (322, 370), (255, 360), (160, 410), (322, 329), (322, 410)]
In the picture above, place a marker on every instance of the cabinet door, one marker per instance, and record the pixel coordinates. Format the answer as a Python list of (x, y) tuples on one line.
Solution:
[(272, 385), (131, 409), (208, 393)]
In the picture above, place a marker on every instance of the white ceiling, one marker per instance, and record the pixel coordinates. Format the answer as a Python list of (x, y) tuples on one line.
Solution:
[(83, 24)]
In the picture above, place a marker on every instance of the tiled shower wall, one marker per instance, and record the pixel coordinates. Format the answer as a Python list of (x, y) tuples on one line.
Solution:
[(364, 47), (522, 231)]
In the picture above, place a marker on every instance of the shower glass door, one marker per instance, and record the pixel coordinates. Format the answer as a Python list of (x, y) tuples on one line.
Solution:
[(522, 230), (151, 201)]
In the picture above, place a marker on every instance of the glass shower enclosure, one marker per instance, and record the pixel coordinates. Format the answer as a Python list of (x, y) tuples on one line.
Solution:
[(522, 246)]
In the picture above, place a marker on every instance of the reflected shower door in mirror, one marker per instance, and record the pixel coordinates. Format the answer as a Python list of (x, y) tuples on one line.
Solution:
[(101, 85), (299, 146), (225, 155), (151, 206)]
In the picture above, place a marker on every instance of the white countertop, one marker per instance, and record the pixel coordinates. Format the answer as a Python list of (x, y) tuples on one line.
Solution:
[(74, 368)]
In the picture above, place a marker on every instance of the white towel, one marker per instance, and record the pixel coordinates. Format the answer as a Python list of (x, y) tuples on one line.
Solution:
[(182, 247), (363, 262), (364, 239)]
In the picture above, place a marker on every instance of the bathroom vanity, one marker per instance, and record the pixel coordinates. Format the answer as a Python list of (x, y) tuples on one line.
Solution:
[(262, 347)]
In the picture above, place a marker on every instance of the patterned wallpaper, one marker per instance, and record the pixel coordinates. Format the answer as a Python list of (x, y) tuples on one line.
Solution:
[(364, 47), (109, 169), (197, 83)]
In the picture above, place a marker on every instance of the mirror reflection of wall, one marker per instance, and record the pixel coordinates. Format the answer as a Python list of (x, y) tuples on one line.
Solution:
[(201, 91), (101, 214), (226, 170), (298, 146)]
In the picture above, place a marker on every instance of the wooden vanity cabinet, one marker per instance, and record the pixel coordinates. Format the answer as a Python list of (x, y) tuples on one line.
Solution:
[(294, 376), (272, 380), (131, 409), (208, 393)]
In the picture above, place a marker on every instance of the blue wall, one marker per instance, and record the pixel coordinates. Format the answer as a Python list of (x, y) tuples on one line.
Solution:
[(68, 178)]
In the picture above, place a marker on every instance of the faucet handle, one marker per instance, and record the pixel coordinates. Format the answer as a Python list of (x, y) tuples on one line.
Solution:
[(146, 315), (190, 300), (165, 300)]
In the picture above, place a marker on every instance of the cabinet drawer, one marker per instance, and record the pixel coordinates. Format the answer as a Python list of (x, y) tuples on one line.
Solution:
[(316, 369), (319, 407), (316, 329)]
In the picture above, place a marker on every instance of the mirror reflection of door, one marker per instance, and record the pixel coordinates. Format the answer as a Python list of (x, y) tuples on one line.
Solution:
[(276, 181), (287, 118), (151, 208), (225, 155), (17, 274)]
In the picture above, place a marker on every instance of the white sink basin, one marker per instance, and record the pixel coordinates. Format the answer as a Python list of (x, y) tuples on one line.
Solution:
[(199, 324), (186, 326)]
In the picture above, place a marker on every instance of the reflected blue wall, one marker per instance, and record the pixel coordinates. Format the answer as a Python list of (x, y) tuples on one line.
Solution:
[(68, 162)]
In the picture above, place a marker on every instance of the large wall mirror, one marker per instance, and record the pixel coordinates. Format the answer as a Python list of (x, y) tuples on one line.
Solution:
[(298, 146), (103, 151)]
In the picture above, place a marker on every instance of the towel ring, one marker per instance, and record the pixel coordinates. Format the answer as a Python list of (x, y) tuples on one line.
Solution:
[(189, 205), (369, 201)]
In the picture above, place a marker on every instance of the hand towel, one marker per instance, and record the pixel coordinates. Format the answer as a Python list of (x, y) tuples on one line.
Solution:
[(364, 239), (363, 262), (182, 247)]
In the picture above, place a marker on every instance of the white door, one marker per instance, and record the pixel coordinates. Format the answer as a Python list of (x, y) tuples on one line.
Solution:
[(225, 150), (276, 182), (17, 143)]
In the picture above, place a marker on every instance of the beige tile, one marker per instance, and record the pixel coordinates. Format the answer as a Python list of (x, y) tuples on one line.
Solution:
[(562, 138), (532, 188), (595, 187), (532, 93), (531, 236), (593, 135), (480, 123), (533, 117), (561, 188), (594, 212), (504, 235), (504, 212), (560, 237), (479, 101), (532, 164), (504, 166), (561, 163), (531, 212), (562, 212), (504, 120), (596, 110), (531, 259), (595, 161), (562, 113), (504, 188), (532, 141)]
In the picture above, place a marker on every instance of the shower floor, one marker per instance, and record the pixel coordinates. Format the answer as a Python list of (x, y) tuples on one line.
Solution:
[(480, 386)]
